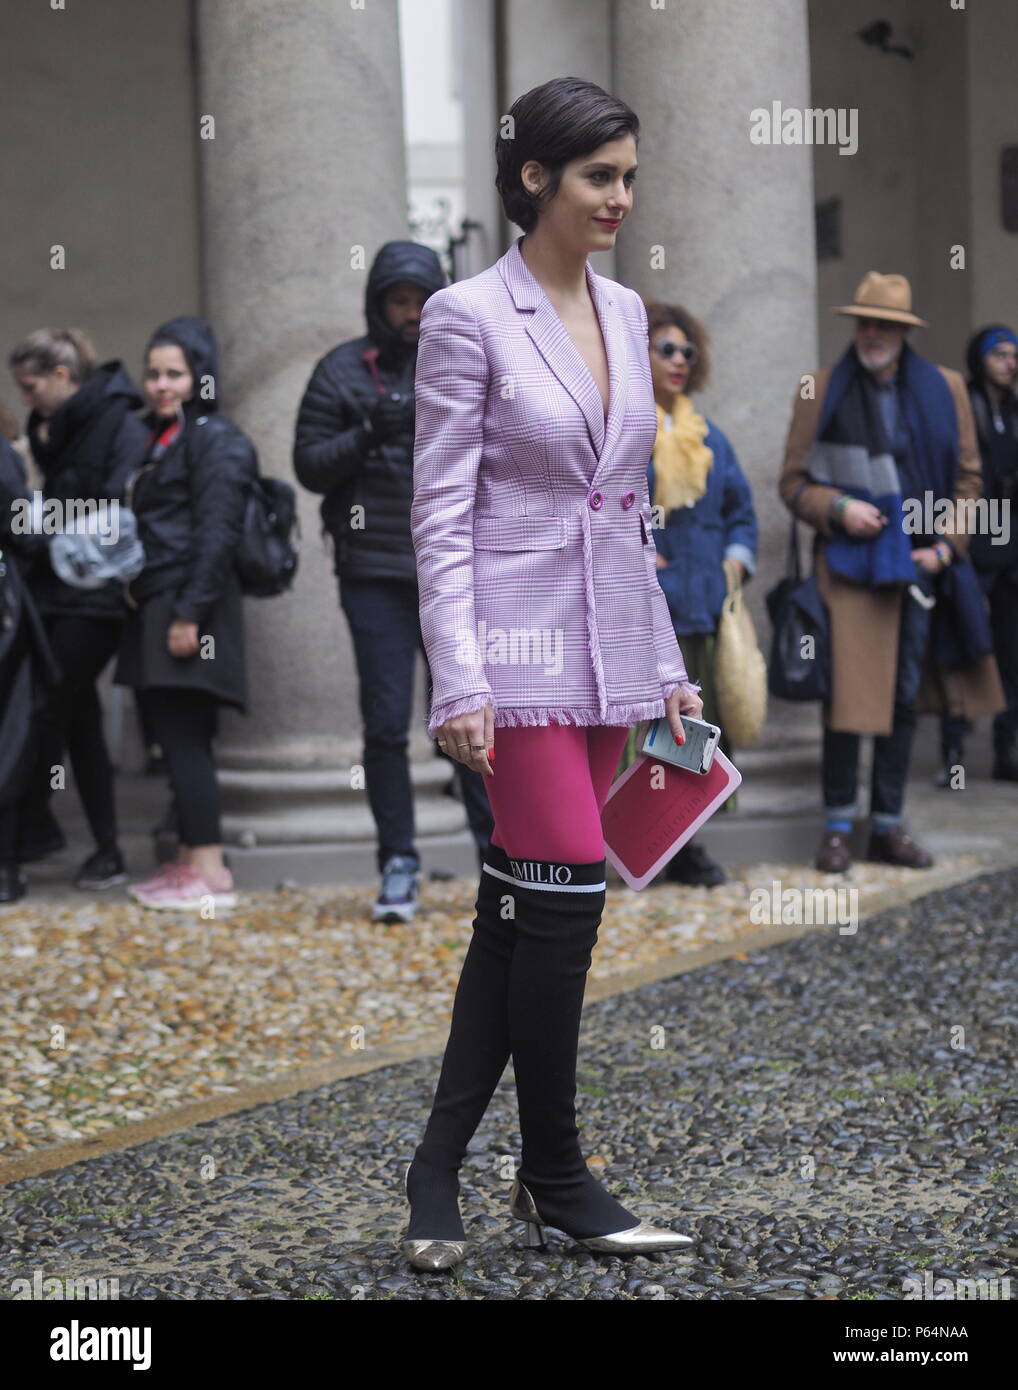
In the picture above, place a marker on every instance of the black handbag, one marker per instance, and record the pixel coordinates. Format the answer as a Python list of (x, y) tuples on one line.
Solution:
[(800, 664)]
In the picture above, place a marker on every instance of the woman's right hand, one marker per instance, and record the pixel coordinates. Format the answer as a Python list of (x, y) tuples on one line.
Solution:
[(182, 638), (863, 518), (478, 727)]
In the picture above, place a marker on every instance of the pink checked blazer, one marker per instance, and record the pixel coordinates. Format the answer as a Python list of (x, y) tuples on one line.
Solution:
[(531, 519)]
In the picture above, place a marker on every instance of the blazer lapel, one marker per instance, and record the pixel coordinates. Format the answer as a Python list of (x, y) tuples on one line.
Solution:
[(561, 353)]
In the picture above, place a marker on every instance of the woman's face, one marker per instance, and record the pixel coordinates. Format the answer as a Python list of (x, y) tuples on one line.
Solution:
[(593, 198), (44, 392), (168, 380), (1001, 365), (669, 374)]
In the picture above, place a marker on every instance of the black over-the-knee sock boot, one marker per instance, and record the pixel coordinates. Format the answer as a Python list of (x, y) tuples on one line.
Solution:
[(558, 911), (475, 1058)]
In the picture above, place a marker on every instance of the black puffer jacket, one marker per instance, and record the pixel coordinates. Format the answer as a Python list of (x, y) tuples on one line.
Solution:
[(94, 442), (190, 502), (334, 455)]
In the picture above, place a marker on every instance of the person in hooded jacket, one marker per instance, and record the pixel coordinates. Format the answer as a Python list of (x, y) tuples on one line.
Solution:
[(27, 669), (992, 361), (183, 647), (354, 444), (85, 437)]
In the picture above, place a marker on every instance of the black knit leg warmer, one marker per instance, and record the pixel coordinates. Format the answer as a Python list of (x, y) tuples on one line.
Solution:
[(475, 1058), (558, 911)]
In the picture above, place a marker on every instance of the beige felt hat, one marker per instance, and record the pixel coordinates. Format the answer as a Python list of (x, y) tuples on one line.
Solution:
[(883, 297)]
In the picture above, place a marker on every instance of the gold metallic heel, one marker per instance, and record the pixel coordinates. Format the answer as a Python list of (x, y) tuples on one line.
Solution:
[(534, 1235), (432, 1254), (637, 1240)]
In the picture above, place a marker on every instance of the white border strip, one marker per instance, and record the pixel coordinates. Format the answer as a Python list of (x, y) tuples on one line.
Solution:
[(548, 887)]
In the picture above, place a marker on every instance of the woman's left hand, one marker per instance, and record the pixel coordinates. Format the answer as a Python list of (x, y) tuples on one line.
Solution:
[(682, 701), (928, 558), (182, 638)]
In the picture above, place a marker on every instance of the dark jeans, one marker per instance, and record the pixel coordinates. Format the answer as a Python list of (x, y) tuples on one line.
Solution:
[(183, 723), (73, 721), (1003, 596), (891, 752), (385, 626)]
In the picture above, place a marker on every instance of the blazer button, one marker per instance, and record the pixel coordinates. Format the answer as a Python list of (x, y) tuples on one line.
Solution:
[(628, 500), (596, 499)]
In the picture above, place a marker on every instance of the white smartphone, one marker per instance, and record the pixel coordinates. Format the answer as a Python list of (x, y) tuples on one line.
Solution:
[(696, 754)]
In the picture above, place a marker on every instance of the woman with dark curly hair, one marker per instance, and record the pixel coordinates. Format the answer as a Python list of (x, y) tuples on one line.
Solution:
[(542, 618), (707, 532)]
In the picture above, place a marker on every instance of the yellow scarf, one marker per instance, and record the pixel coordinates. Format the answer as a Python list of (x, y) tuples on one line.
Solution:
[(681, 459)]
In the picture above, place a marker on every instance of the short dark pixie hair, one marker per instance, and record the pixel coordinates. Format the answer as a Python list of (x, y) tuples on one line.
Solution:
[(561, 120), (661, 315)]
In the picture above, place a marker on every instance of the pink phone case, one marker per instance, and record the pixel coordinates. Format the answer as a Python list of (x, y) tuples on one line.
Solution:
[(648, 817)]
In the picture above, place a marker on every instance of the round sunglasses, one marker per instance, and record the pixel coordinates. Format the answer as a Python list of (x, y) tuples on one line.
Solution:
[(667, 349)]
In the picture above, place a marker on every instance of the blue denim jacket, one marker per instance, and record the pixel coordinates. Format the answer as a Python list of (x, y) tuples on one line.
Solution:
[(695, 540)]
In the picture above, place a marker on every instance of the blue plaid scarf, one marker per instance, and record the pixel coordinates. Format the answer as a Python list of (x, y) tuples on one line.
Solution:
[(852, 452)]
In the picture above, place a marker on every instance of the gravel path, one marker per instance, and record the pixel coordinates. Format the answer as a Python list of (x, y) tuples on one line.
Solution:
[(809, 1114), (111, 1014)]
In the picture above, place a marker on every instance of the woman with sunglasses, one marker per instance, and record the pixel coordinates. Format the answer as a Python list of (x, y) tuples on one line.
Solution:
[(709, 525)]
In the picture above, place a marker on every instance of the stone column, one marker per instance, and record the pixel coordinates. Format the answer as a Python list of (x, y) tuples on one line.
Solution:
[(543, 39), (303, 179), (724, 226)]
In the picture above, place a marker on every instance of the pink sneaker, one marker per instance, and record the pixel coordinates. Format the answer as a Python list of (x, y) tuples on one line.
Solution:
[(166, 873), (187, 890)]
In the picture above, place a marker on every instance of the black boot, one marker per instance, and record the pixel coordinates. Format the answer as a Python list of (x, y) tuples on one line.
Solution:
[(558, 911), (475, 1058), (953, 731), (950, 758), (12, 882), (1005, 764), (694, 867), (39, 835)]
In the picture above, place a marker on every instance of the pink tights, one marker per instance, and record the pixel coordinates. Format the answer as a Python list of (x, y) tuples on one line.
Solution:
[(549, 785)]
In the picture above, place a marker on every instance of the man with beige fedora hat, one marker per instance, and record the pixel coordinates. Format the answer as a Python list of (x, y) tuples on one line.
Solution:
[(881, 429), (883, 297)]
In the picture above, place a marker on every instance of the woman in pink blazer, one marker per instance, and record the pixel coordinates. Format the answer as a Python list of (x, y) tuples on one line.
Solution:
[(543, 618)]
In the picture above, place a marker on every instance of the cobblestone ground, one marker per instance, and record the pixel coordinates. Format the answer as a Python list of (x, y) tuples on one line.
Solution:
[(827, 1118)]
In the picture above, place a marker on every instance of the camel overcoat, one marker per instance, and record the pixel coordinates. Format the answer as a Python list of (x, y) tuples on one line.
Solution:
[(864, 622)]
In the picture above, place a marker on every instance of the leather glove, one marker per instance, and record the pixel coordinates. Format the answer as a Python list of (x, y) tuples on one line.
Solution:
[(392, 416)]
